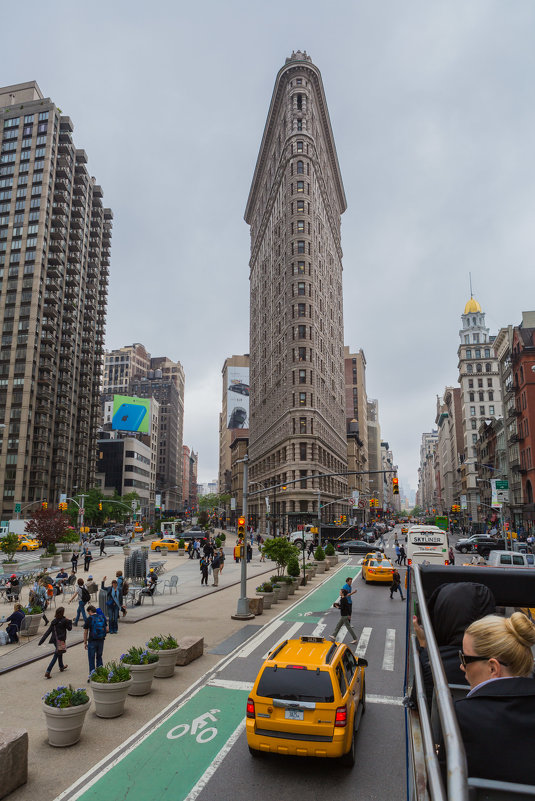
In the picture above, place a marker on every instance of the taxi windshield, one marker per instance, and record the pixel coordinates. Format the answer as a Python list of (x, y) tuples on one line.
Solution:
[(292, 684)]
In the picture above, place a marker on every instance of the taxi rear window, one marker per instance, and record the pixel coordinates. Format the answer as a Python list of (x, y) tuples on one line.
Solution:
[(293, 684)]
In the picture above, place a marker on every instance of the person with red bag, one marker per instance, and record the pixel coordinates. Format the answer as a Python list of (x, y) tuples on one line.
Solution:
[(57, 631)]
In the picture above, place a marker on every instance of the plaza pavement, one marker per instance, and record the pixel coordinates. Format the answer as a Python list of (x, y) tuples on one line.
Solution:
[(193, 610)]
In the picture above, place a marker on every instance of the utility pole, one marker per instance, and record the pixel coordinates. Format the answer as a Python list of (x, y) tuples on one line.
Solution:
[(242, 612)]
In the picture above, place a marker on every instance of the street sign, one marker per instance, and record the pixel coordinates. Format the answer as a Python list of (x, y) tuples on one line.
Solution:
[(18, 508), (134, 505), (362, 504)]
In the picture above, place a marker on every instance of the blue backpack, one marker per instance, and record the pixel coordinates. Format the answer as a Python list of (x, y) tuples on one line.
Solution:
[(98, 627)]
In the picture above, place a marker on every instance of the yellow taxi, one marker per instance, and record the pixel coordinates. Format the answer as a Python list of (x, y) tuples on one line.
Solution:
[(404, 529), (165, 542), (27, 544), (378, 568), (307, 700), (138, 529)]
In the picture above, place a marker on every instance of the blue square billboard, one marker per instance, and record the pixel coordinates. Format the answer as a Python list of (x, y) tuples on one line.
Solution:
[(130, 414)]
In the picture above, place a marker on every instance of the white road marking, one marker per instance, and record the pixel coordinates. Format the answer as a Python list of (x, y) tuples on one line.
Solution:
[(318, 631), (391, 700), (362, 646), (390, 645), (214, 765), (248, 649), (287, 636), (229, 684)]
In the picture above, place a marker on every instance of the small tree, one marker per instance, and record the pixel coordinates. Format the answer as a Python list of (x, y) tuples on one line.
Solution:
[(329, 549), (319, 554), (9, 545), (49, 526), (279, 550)]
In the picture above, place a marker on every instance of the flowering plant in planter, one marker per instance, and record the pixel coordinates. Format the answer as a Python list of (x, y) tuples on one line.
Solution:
[(63, 697), (32, 610), (138, 656), (265, 587), (110, 673), (161, 643)]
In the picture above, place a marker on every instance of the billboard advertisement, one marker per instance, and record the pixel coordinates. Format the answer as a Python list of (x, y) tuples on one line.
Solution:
[(238, 397), (130, 414)]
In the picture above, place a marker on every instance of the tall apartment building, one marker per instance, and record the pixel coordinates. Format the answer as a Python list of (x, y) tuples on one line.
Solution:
[(481, 396), (356, 403), (55, 237), (234, 416), (297, 412), (375, 480)]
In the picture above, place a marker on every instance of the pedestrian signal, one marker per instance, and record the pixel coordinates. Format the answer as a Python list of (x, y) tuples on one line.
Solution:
[(395, 486)]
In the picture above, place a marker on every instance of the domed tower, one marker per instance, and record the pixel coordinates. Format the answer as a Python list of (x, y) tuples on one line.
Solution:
[(297, 422), (480, 399)]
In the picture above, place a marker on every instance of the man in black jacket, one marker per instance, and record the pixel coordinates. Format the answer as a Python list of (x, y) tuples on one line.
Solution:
[(345, 618)]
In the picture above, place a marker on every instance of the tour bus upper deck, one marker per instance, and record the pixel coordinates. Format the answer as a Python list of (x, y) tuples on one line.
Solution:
[(428, 778)]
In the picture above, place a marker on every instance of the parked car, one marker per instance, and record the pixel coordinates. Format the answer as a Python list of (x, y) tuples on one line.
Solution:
[(356, 546), (508, 559), (485, 545), (111, 539), (466, 544)]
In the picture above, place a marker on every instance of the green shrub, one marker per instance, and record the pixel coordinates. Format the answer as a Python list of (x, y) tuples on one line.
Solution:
[(319, 554), (293, 567), (139, 656), (222, 536), (161, 643), (110, 673), (218, 542), (265, 587), (181, 543), (329, 549), (63, 697)]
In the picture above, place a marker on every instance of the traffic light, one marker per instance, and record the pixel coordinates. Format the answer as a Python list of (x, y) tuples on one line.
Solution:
[(100, 506), (62, 506), (395, 486), (241, 527), (376, 502), (44, 505), (372, 503)]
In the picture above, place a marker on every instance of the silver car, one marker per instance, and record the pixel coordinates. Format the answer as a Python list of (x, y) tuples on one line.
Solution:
[(112, 539)]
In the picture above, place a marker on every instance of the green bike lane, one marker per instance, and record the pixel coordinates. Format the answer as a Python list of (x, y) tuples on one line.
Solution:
[(177, 752)]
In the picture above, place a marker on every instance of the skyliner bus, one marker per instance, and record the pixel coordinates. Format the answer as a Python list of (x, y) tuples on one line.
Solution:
[(427, 545)]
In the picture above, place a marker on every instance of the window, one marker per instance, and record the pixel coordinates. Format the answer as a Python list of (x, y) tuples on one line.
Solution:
[(474, 424), (300, 186), (300, 168), (474, 439), (480, 382), (301, 226), (487, 353), (470, 383), (302, 398), (482, 410), (491, 410), (466, 339), (469, 368), (476, 337), (300, 206), (301, 267), (301, 332), (301, 288), (487, 368), (301, 309), (481, 398), (299, 102), (302, 356), (479, 367), (299, 147), (477, 353), (302, 425), (300, 245), (491, 396), (472, 411), (471, 396), (303, 450), (299, 125), (468, 353), (489, 382)]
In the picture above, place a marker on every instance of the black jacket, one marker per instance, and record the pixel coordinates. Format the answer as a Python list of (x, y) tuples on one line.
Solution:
[(345, 608), (497, 725), (57, 630)]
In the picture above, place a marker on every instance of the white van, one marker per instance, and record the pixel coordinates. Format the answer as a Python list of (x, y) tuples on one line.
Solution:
[(508, 559)]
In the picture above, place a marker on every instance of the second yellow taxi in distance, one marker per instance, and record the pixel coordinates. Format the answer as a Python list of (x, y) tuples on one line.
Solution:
[(165, 542), (377, 568), (307, 700), (27, 543)]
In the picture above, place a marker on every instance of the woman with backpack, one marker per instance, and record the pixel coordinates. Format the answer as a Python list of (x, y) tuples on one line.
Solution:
[(83, 597), (114, 603), (57, 631)]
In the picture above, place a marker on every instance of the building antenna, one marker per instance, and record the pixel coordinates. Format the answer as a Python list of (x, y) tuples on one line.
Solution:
[(471, 293)]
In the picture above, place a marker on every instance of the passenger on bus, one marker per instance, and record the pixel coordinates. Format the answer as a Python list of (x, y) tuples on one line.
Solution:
[(497, 717), (452, 607)]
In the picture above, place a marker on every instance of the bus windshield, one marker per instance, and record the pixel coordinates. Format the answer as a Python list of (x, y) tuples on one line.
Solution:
[(427, 545)]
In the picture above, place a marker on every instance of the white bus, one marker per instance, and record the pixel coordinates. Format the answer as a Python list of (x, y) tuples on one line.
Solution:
[(427, 545)]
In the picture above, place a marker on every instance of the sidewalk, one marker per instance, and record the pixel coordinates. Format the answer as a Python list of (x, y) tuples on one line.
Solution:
[(192, 611)]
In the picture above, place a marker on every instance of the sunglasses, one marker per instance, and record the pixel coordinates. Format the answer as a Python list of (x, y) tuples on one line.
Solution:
[(466, 659)]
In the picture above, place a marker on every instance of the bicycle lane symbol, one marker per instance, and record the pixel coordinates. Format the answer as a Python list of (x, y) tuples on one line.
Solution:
[(200, 725)]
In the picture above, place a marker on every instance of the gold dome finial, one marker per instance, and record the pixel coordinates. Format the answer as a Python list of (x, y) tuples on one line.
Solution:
[(472, 306)]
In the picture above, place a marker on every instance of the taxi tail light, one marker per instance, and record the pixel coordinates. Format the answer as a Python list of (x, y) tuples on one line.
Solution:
[(340, 719), (250, 708)]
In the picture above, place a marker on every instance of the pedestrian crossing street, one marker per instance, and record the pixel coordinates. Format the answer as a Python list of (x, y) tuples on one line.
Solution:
[(295, 630)]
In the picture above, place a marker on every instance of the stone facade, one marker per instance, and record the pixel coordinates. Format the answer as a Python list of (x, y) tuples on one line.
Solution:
[(297, 405), (55, 237), (225, 433)]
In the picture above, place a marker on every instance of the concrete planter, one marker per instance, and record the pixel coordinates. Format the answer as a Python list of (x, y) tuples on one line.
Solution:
[(276, 593), (32, 624), (9, 567), (284, 590), (164, 551), (166, 664), (110, 698), (66, 556), (181, 551), (64, 725), (310, 571), (142, 676), (256, 605), (296, 582), (267, 598), (127, 550), (57, 560), (45, 561), (331, 560), (320, 567), (291, 587)]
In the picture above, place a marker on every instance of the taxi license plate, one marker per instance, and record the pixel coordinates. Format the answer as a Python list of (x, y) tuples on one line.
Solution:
[(293, 714)]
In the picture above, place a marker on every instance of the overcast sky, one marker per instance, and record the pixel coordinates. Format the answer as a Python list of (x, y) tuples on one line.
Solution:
[(433, 111)]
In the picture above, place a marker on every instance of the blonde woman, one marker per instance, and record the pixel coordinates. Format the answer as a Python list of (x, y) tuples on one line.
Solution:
[(497, 717)]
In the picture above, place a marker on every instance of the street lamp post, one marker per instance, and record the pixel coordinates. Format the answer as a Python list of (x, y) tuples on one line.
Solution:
[(242, 612)]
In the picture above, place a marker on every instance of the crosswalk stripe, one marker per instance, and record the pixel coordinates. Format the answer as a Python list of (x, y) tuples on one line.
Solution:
[(390, 645), (287, 635), (253, 643), (318, 631), (362, 645)]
